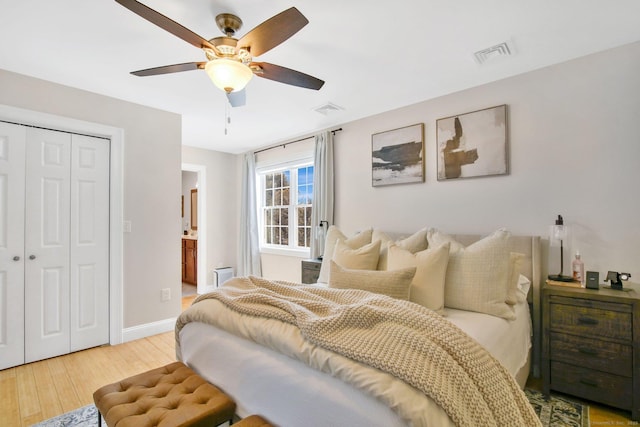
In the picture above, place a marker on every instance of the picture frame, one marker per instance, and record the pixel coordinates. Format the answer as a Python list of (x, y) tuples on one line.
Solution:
[(397, 156), (473, 144)]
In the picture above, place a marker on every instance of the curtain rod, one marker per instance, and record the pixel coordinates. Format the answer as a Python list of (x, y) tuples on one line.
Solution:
[(292, 142)]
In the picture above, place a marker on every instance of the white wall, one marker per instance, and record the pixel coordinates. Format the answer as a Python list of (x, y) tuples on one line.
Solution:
[(151, 184), (222, 201), (574, 132)]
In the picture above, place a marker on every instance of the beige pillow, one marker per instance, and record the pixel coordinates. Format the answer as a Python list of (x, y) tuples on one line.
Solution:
[(427, 286), (477, 275), (362, 258), (415, 243), (333, 235), (393, 283), (515, 264)]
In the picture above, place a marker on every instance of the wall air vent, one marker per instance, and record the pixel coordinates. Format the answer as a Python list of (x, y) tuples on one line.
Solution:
[(328, 108), (493, 52)]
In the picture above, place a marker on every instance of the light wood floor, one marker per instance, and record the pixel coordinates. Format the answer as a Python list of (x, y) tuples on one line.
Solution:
[(44, 389)]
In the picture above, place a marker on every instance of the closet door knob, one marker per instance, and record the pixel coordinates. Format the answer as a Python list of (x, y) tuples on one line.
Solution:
[(16, 258), (32, 257)]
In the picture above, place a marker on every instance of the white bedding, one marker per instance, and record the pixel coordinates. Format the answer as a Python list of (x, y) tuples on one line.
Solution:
[(289, 393)]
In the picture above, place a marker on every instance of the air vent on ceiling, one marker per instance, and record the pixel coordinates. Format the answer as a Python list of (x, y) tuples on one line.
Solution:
[(493, 52), (328, 108)]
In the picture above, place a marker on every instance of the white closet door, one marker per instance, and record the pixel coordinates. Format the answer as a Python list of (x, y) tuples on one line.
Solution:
[(89, 242), (47, 219), (12, 143)]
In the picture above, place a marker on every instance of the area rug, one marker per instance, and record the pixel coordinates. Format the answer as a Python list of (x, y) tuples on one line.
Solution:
[(555, 411), (558, 411), (87, 416)]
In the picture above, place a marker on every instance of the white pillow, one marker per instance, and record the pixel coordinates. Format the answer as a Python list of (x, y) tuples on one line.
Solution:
[(427, 286), (523, 288), (415, 243), (393, 283), (362, 258), (333, 235), (477, 276), (515, 264)]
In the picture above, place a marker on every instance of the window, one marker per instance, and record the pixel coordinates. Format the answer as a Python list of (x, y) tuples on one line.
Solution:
[(287, 200)]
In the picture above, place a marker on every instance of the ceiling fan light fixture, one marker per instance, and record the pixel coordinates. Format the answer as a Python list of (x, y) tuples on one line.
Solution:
[(228, 74)]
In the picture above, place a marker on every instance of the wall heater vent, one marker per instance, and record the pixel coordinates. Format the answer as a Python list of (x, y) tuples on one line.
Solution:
[(221, 275)]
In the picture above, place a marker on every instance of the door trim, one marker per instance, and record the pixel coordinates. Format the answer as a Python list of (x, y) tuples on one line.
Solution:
[(116, 136)]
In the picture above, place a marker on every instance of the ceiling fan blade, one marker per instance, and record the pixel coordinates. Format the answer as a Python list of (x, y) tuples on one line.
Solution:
[(165, 23), (237, 99), (273, 31), (175, 68), (287, 76)]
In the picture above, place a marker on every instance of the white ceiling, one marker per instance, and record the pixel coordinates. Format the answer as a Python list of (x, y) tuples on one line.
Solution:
[(374, 56)]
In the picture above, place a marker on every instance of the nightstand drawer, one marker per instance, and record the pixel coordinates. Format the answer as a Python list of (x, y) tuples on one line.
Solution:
[(609, 389), (591, 321), (589, 353)]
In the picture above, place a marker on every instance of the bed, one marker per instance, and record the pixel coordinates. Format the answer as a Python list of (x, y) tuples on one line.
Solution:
[(319, 387)]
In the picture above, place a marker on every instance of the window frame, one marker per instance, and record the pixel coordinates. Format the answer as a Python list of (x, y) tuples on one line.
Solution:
[(292, 249)]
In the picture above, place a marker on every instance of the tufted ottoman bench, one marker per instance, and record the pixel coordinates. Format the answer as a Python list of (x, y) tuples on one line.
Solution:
[(173, 395)]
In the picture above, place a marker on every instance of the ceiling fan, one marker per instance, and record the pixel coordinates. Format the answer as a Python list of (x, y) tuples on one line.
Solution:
[(230, 62)]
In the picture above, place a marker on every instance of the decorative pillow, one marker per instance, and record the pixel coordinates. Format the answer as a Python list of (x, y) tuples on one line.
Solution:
[(363, 258), (415, 243), (393, 283), (515, 264), (427, 286), (477, 275), (523, 288), (333, 235)]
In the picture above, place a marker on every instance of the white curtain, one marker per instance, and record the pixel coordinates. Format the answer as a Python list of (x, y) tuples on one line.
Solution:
[(322, 192), (249, 242)]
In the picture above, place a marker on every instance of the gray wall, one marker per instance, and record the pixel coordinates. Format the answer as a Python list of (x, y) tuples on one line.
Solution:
[(222, 203), (152, 143), (574, 132)]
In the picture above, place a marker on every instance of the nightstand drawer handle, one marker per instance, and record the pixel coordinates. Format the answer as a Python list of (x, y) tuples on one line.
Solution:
[(587, 350), (587, 321), (588, 382)]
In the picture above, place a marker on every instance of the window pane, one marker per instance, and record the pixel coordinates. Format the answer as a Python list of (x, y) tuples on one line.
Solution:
[(285, 196), (307, 235), (286, 179), (284, 213), (276, 235), (301, 216), (268, 182), (268, 198), (277, 180), (308, 214), (301, 237), (276, 217), (267, 236), (277, 197), (284, 236)]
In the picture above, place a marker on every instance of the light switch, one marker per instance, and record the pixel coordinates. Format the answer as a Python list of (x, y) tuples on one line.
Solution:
[(126, 226)]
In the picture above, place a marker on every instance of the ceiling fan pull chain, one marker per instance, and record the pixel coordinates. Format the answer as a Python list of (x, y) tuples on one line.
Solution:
[(227, 116)]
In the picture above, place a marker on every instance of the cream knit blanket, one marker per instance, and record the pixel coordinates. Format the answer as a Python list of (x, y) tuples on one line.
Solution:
[(406, 340)]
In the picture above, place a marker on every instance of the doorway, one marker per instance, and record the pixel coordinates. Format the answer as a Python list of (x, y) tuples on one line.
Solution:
[(194, 177)]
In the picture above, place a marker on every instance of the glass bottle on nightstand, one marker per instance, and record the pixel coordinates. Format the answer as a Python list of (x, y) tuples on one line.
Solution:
[(578, 269)]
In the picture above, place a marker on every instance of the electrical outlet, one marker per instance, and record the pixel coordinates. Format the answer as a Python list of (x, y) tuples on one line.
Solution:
[(126, 226), (166, 294)]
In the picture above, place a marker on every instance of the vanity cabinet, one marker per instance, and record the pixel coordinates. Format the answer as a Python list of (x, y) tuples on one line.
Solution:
[(190, 261)]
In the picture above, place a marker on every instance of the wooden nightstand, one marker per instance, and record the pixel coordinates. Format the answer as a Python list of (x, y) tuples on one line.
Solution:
[(591, 344), (311, 270)]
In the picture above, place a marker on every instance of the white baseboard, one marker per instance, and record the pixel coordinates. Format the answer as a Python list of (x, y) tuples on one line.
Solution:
[(148, 329)]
